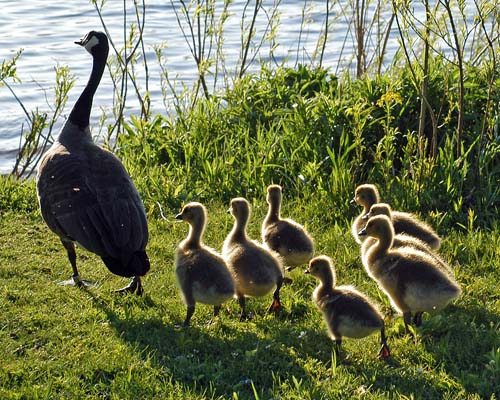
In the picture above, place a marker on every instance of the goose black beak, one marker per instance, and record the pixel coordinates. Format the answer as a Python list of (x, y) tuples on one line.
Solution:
[(362, 232), (83, 41)]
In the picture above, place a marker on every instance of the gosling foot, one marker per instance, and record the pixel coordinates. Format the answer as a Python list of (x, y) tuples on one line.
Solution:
[(384, 352), (275, 306)]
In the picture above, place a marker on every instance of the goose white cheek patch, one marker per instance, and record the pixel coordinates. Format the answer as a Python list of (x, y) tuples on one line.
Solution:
[(93, 41)]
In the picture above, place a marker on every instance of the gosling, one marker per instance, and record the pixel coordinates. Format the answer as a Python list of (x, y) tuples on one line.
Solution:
[(285, 236), (402, 239), (347, 312), (202, 273), (411, 279), (407, 223), (256, 271), (365, 195)]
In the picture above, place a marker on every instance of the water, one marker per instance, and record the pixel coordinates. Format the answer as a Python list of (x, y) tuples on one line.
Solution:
[(46, 32)]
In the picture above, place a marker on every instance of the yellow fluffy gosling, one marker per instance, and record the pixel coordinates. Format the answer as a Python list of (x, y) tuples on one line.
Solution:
[(202, 273), (402, 239), (409, 224), (347, 312), (255, 269), (285, 236), (410, 278)]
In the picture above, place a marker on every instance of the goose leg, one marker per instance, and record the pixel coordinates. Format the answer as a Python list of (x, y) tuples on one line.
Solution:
[(135, 286), (276, 304), (384, 352), (75, 279)]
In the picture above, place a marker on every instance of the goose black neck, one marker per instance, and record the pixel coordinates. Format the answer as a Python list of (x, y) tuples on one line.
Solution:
[(80, 115)]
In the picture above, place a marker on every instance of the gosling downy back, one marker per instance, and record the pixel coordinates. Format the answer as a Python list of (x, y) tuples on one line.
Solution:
[(402, 239), (202, 273), (409, 224), (365, 195), (411, 278), (285, 236)]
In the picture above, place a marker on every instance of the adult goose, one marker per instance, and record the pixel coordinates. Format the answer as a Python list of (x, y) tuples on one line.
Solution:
[(85, 194), (284, 235)]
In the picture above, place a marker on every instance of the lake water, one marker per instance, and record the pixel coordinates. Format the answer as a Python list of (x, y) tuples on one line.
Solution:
[(46, 31)]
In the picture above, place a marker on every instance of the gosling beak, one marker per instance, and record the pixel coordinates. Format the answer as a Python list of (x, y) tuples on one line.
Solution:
[(353, 201), (307, 271), (228, 211), (179, 216), (362, 232)]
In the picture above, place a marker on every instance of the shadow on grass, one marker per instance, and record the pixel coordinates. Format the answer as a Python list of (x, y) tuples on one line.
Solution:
[(462, 341), (213, 359)]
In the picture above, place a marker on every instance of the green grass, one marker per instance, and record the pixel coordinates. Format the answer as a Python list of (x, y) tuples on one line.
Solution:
[(63, 342)]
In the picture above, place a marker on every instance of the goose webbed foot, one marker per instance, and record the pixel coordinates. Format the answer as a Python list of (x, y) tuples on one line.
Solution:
[(77, 281), (135, 286)]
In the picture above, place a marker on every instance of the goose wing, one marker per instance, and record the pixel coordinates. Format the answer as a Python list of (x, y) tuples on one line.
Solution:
[(88, 197)]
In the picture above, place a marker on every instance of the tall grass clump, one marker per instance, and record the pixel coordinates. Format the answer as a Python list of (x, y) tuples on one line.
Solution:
[(319, 136)]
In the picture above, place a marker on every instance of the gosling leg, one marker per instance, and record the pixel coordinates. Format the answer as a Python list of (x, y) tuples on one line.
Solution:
[(189, 314), (338, 345), (417, 319), (276, 304), (384, 352), (216, 310), (407, 321), (241, 301)]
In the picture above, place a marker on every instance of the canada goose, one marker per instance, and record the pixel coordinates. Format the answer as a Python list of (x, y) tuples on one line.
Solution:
[(402, 239), (365, 195), (85, 194), (407, 223), (255, 269), (202, 273), (410, 278), (285, 236), (346, 311)]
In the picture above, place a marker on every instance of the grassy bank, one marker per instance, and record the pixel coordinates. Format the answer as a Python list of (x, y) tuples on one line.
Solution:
[(61, 342)]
